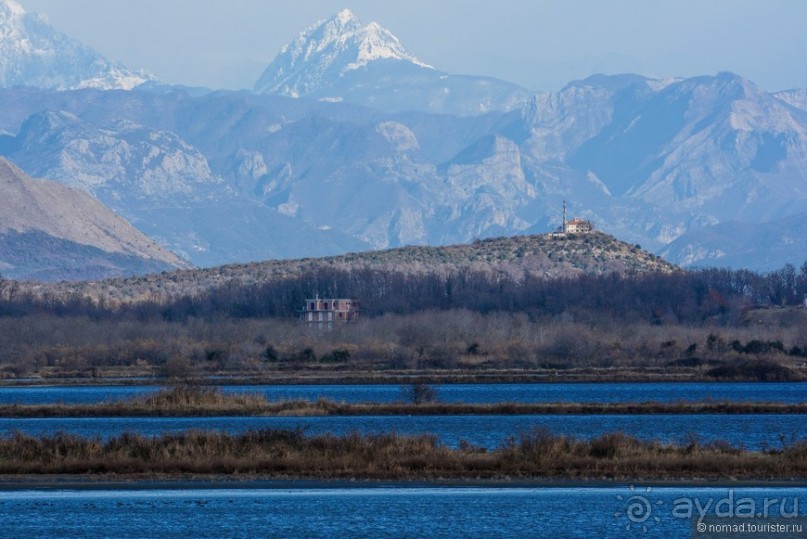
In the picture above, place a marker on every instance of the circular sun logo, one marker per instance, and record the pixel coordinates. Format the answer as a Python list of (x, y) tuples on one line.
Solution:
[(638, 509)]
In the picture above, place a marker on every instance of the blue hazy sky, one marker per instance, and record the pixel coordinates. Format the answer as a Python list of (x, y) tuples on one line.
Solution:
[(540, 44)]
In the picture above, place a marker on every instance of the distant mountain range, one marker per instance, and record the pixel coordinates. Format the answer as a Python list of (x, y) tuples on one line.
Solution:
[(349, 142)]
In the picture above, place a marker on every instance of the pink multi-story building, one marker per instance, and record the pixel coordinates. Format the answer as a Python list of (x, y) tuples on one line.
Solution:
[(330, 310)]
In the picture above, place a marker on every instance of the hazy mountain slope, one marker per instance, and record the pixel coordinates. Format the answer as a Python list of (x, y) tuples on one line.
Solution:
[(732, 244), (35, 255), (165, 188), (693, 152), (52, 231), (731, 151), (647, 160), (332, 164), (123, 164), (33, 53)]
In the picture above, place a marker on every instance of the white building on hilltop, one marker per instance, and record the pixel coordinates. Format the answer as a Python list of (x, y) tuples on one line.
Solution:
[(577, 226)]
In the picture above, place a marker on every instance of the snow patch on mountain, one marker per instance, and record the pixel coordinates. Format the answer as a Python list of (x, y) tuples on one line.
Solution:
[(376, 43), (795, 98)]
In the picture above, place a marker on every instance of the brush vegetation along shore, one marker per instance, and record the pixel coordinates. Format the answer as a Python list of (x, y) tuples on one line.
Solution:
[(186, 401), (293, 455)]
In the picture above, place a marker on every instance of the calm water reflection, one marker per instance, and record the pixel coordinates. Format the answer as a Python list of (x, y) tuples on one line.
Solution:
[(471, 393)]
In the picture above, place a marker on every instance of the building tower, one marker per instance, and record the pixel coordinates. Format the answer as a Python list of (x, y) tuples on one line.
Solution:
[(563, 226)]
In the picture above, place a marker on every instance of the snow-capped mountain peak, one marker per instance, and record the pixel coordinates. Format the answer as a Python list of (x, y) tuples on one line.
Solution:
[(328, 50), (34, 53)]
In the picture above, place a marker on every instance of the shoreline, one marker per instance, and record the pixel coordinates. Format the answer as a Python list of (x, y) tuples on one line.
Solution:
[(281, 378), (236, 407), (82, 482)]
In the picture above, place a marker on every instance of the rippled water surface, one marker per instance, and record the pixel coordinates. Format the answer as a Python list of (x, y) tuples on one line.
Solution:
[(374, 512)]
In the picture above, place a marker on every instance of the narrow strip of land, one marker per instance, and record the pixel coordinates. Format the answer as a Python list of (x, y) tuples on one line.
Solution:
[(205, 402), (290, 454), (329, 408), (151, 482)]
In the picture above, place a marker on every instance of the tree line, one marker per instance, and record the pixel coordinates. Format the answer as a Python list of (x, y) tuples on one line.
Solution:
[(680, 297)]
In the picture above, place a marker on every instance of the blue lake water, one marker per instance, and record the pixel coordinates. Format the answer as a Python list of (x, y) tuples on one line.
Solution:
[(403, 512), (752, 431), (470, 393), (382, 512)]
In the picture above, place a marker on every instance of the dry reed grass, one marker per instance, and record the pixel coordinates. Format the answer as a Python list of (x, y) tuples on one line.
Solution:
[(291, 454), (210, 401)]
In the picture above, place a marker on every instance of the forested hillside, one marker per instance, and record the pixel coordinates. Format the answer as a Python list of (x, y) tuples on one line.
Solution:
[(513, 258)]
